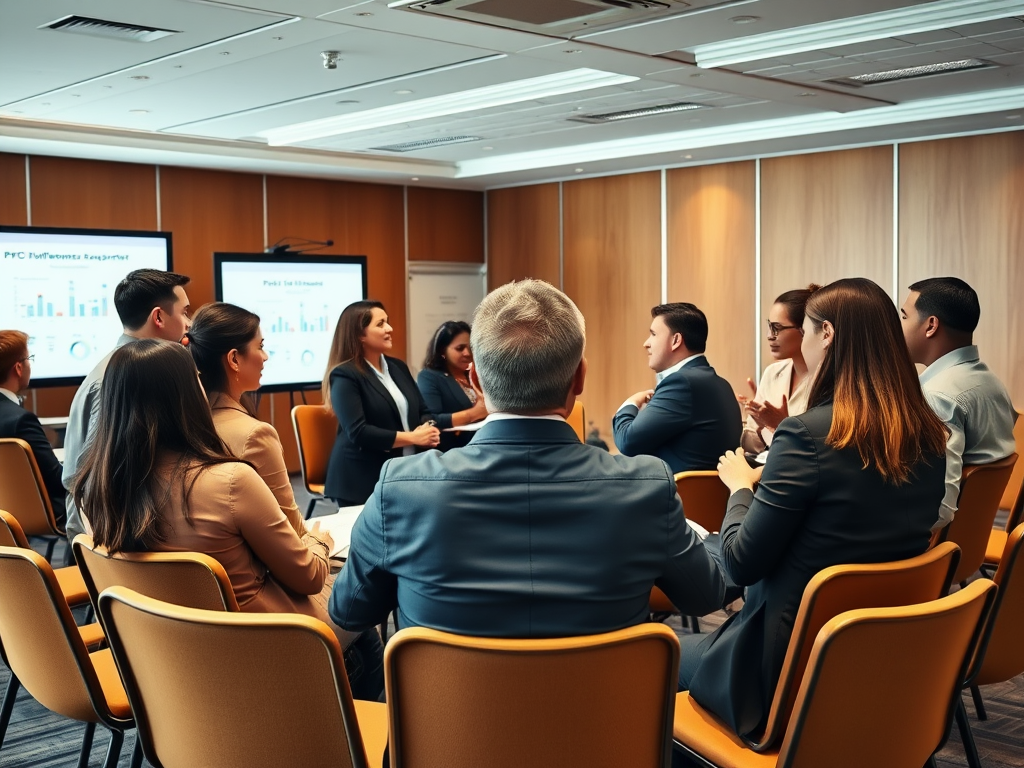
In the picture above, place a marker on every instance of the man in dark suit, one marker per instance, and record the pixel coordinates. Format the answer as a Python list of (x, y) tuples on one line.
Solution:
[(15, 421), (691, 416), (525, 532)]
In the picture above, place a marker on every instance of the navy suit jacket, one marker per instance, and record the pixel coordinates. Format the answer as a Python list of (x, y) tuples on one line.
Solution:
[(525, 532), (15, 421), (443, 396), (815, 507), (368, 421), (692, 419)]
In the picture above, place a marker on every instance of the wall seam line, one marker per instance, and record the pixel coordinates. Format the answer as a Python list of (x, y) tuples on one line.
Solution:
[(895, 222), (664, 236), (757, 267), (28, 203), (561, 241)]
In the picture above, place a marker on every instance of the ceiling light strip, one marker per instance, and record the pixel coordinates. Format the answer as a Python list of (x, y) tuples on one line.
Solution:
[(472, 100), (857, 29), (764, 130), (671, 17)]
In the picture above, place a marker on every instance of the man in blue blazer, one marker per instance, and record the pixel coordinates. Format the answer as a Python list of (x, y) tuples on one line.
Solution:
[(691, 417), (525, 532)]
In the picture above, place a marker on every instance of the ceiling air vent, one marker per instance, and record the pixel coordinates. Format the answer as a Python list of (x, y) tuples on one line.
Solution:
[(84, 25), (412, 146), (910, 73), (629, 114)]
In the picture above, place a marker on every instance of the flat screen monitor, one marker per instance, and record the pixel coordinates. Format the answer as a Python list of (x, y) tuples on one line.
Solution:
[(299, 299), (57, 285)]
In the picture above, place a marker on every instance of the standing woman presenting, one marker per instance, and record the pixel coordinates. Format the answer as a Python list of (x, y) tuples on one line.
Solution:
[(380, 412), (445, 386)]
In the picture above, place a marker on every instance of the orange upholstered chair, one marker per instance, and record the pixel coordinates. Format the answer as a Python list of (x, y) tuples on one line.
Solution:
[(867, 669), (23, 492), (315, 431), (578, 701), (238, 690), (72, 584), (1012, 502)]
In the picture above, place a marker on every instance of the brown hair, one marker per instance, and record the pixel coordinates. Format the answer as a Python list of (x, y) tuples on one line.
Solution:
[(347, 343), (216, 329), (867, 375), (13, 349), (795, 302)]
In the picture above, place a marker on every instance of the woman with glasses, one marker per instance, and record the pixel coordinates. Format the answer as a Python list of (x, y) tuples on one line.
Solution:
[(445, 385), (784, 384)]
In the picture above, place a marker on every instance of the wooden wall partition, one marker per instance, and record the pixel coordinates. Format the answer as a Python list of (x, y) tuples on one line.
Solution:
[(711, 258), (961, 202), (13, 199), (612, 270), (446, 225), (523, 235)]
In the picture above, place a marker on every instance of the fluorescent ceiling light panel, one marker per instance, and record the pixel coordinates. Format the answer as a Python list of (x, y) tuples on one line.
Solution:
[(857, 29), (763, 130), (448, 104), (909, 73), (630, 114)]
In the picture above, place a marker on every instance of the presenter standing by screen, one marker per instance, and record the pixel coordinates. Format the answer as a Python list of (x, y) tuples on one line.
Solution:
[(380, 412)]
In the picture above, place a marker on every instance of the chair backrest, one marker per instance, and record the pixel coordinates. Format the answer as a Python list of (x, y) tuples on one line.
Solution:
[(22, 491), (1012, 496), (981, 488), (580, 701), (704, 497), (578, 421), (882, 683), (316, 429), (232, 689), (41, 642), (1002, 654), (190, 579), (845, 588), (11, 533)]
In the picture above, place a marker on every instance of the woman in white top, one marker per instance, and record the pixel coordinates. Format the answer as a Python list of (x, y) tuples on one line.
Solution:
[(785, 384)]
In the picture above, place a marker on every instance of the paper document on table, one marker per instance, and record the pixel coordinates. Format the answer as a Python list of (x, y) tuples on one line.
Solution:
[(339, 526), (700, 530)]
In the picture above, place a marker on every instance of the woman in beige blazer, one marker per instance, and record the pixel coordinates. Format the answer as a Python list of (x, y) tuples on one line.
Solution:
[(227, 345), (158, 478)]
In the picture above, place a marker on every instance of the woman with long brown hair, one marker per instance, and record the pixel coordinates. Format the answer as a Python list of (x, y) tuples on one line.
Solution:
[(857, 478), (380, 412)]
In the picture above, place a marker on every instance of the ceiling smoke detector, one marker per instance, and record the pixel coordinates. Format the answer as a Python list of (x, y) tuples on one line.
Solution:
[(331, 59)]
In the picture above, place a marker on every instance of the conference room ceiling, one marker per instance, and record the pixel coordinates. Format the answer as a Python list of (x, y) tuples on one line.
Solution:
[(244, 86)]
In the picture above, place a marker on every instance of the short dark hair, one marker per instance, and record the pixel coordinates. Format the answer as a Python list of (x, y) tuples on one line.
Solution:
[(684, 318), (951, 300), (143, 289), (444, 336)]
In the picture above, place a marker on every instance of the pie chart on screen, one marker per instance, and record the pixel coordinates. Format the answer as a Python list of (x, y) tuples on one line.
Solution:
[(80, 350)]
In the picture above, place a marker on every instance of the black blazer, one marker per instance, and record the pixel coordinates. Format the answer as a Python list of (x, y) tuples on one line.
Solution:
[(815, 507), (443, 396), (368, 421), (15, 421), (692, 419)]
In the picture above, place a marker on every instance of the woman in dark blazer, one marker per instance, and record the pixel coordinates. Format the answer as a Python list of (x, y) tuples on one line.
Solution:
[(380, 412), (445, 386), (858, 478)]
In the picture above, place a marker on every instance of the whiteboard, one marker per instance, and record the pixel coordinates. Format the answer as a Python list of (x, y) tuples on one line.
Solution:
[(438, 293)]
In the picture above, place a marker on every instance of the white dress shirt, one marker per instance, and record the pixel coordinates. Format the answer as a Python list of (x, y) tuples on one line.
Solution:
[(400, 400), (660, 376)]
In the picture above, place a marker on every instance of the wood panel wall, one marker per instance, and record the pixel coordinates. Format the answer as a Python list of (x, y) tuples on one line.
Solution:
[(446, 225), (711, 258), (523, 237), (612, 270), (13, 200), (961, 213)]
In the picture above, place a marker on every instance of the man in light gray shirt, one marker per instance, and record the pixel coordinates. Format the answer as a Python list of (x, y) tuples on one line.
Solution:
[(151, 304), (939, 318)]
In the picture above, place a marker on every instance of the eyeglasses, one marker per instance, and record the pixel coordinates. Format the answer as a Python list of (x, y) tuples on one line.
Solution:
[(30, 358), (774, 329)]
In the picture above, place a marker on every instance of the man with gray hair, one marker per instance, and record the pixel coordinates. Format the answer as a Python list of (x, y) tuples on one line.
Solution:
[(524, 532)]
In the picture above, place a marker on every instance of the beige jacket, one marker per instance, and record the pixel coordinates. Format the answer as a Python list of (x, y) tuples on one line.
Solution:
[(257, 442)]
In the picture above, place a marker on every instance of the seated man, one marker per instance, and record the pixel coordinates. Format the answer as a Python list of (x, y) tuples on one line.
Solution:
[(939, 318), (691, 417), (15, 421), (525, 532)]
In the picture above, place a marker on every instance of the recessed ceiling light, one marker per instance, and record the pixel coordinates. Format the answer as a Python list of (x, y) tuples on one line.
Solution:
[(277, 38), (415, 178), (177, 66), (364, 13), (225, 53), (579, 170), (910, 73), (744, 19), (403, 92), (629, 114), (1013, 117), (573, 50), (439, 141), (139, 77), (687, 157)]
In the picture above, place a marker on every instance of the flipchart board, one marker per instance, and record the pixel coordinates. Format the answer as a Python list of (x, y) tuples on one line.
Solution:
[(440, 292)]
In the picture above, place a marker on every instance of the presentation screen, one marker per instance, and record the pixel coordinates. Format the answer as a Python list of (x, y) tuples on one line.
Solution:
[(57, 285), (299, 299)]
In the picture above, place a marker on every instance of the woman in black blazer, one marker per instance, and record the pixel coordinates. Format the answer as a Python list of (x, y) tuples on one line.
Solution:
[(445, 386), (858, 478), (380, 412)]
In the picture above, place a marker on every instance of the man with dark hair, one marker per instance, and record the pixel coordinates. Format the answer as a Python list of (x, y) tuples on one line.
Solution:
[(939, 318), (15, 421), (151, 304), (691, 417)]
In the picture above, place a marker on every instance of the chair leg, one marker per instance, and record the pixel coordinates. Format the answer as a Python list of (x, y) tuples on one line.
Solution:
[(309, 507), (979, 705), (137, 752), (966, 736), (114, 749), (49, 547), (83, 758), (931, 762), (8, 706)]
